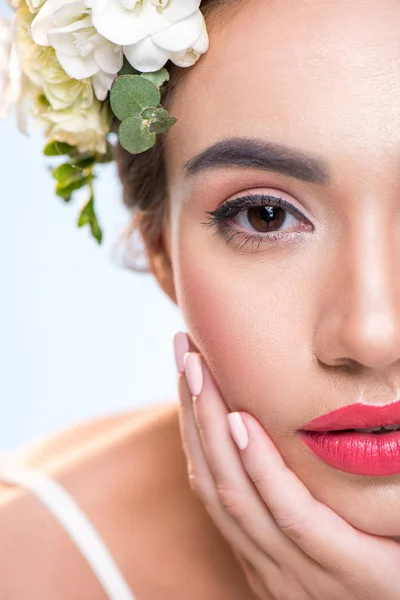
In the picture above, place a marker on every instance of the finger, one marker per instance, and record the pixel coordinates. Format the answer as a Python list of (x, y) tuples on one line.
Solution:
[(201, 479), (320, 532), (236, 492)]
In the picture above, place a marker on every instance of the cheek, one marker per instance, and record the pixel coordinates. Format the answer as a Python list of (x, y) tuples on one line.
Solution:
[(244, 315)]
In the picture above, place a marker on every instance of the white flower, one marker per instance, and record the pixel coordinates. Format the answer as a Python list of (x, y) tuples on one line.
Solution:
[(6, 44), (34, 5), (15, 88), (14, 3), (153, 31), (66, 26), (85, 129), (41, 66), (188, 57)]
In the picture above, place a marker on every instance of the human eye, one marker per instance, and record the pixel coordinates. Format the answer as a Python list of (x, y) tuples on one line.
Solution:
[(264, 213)]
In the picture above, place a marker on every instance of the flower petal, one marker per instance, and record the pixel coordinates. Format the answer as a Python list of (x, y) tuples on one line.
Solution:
[(5, 60), (64, 44), (115, 23), (180, 9), (189, 57), (181, 35), (78, 67), (102, 84), (71, 13), (109, 57), (146, 56), (44, 20)]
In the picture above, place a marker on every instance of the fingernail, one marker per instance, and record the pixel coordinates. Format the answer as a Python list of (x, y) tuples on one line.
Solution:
[(181, 346), (238, 430), (194, 373)]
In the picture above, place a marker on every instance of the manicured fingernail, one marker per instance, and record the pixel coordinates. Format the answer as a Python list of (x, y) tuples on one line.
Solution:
[(181, 346), (238, 429), (194, 373)]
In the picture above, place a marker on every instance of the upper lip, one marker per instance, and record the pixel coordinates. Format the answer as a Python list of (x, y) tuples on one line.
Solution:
[(356, 416)]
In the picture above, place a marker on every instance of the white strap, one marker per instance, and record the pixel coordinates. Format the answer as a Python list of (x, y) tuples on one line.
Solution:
[(76, 523)]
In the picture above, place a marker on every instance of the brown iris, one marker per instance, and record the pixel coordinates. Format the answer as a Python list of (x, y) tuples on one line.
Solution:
[(263, 218)]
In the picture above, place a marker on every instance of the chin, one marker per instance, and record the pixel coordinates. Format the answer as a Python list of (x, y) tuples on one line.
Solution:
[(374, 518), (370, 504)]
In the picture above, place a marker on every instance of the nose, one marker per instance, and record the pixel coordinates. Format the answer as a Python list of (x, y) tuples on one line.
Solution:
[(360, 315)]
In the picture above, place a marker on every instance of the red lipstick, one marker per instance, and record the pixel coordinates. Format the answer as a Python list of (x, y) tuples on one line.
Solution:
[(360, 453)]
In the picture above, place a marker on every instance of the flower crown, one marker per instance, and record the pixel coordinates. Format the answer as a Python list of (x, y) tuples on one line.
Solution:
[(75, 65)]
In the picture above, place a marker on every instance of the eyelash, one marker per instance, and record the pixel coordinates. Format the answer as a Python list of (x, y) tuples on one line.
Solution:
[(220, 217)]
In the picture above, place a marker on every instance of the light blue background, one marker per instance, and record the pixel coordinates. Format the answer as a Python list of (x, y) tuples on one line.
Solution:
[(80, 336)]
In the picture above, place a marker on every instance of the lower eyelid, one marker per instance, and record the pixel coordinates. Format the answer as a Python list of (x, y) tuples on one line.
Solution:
[(231, 232)]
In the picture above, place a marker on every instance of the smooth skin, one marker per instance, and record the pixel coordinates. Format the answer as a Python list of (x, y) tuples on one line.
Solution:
[(295, 327), (290, 545), (289, 329)]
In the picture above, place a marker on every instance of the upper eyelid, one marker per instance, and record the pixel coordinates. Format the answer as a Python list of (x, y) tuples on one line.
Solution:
[(257, 199)]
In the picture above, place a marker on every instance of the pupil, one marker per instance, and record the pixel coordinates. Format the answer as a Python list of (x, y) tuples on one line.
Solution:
[(262, 218)]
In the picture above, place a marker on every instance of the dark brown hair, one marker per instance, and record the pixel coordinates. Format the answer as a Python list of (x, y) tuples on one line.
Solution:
[(143, 175)]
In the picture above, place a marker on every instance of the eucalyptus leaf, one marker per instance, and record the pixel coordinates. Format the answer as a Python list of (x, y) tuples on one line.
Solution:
[(130, 94), (58, 149), (160, 120), (135, 136), (157, 77), (123, 105), (127, 68)]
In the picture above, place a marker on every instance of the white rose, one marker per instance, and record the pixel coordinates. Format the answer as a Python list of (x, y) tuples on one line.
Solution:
[(41, 66), (85, 129), (152, 31), (6, 44), (188, 57), (14, 3), (66, 26), (34, 5), (16, 90)]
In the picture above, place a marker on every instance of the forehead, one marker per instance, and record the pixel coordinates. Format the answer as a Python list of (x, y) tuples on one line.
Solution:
[(321, 75)]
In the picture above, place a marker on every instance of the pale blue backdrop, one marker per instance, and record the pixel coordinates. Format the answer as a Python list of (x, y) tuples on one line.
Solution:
[(79, 335)]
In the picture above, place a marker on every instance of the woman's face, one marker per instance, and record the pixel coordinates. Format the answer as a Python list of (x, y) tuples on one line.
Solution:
[(296, 326)]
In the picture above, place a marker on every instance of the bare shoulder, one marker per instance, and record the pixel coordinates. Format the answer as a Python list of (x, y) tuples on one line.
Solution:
[(110, 467), (129, 476)]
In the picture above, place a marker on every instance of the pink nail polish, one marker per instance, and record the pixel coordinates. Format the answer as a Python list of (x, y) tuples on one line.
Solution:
[(194, 373), (238, 430), (181, 346)]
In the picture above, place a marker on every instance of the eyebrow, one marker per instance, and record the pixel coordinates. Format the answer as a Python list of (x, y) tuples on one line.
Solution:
[(260, 154)]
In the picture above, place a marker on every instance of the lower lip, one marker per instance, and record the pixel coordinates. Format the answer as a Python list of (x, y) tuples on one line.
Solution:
[(358, 453)]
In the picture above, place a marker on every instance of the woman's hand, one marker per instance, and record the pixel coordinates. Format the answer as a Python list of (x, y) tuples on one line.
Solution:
[(290, 545)]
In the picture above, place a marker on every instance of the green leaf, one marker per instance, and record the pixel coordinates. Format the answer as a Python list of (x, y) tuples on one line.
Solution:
[(57, 149), (87, 216), (157, 77), (65, 188), (130, 93), (159, 119), (84, 162), (127, 69), (134, 136), (96, 230), (65, 172)]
